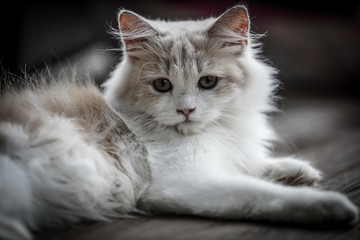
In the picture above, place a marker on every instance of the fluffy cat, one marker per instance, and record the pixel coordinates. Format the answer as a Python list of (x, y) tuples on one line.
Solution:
[(197, 94), (186, 133)]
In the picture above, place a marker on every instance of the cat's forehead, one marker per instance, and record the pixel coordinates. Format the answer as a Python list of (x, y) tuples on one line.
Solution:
[(179, 37), (183, 46)]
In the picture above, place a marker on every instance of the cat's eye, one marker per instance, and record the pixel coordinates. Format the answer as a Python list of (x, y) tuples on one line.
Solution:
[(162, 85), (208, 82)]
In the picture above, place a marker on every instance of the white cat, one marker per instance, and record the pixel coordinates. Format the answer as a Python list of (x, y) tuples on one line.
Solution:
[(197, 94), (189, 135)]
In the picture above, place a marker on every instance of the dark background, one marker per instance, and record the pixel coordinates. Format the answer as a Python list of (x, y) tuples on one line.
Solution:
[(316, 47)]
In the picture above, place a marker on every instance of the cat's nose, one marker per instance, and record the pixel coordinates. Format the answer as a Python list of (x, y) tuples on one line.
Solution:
[(186, 111)]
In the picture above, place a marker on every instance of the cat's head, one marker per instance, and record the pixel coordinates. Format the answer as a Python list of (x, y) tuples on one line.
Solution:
[(184, 74)]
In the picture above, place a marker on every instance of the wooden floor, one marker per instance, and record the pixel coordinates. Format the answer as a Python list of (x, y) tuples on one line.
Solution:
[(324, 131)]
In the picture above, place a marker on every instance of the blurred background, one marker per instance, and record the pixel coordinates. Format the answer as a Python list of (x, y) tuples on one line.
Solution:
[(315, 46)]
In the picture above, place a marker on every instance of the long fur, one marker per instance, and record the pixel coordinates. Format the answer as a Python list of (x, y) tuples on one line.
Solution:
[(219, 164), (65, 156), (67, 153)]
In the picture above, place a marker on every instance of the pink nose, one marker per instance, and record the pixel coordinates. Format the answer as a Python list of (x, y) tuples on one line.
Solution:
[(186, 111)]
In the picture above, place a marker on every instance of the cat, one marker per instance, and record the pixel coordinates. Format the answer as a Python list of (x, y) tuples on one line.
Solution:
[(181, 128)]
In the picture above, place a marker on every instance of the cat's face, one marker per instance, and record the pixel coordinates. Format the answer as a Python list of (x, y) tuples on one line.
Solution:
[(186, 74), (187, 95)]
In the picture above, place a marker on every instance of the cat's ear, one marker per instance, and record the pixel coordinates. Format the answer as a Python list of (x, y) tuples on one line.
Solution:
[(232, 28), (135, 31)]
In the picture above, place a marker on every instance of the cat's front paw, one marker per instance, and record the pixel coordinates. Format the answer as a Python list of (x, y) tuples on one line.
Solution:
[(333, 207), (292, 172)]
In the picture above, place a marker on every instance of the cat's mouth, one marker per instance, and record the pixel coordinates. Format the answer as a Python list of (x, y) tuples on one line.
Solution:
[(187, 121), (188, 127)]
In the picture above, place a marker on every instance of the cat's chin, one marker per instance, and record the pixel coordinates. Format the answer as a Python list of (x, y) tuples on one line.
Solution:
[(188, 129)]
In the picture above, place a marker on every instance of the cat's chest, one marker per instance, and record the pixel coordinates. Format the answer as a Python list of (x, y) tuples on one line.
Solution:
[(190, 153)]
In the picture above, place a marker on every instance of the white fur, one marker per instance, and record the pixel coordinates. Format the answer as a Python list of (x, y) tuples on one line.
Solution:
[(219, 165), (52, 171), (51, 175)]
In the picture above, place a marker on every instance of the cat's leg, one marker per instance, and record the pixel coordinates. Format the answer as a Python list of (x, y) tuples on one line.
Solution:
[(242, 197), (291, 171)]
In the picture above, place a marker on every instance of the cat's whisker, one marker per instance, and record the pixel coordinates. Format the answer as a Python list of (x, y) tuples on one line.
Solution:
[(141, 128), (143, 125)]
